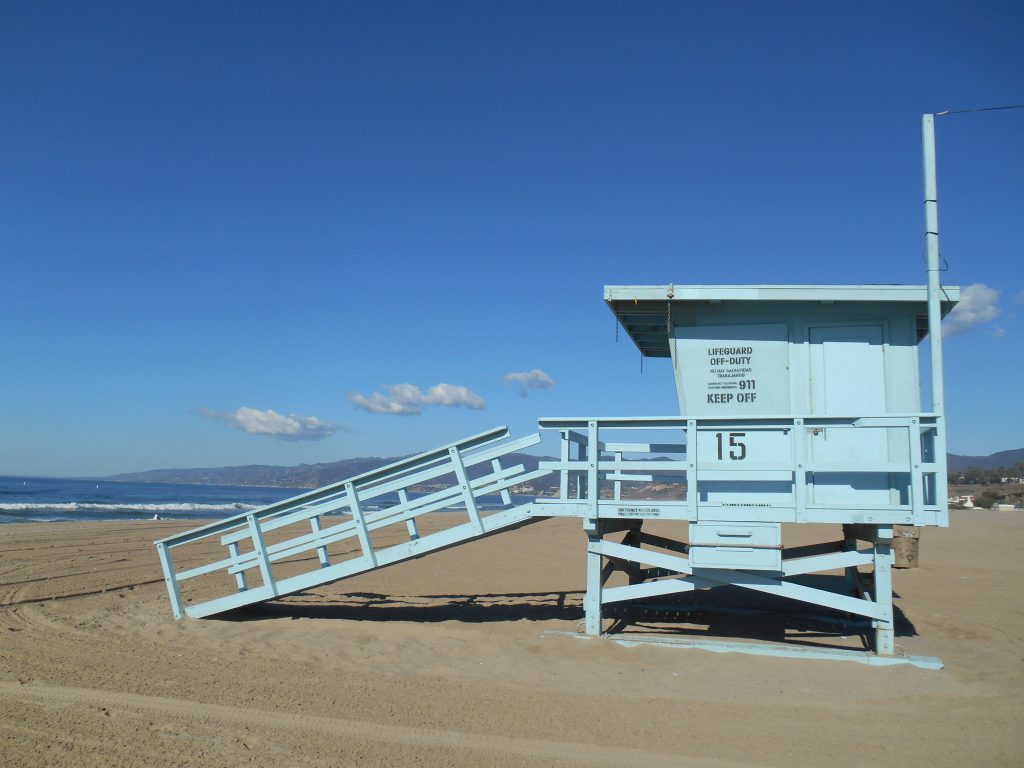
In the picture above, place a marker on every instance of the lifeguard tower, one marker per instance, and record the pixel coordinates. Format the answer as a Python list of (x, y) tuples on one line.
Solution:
[(797, 404)]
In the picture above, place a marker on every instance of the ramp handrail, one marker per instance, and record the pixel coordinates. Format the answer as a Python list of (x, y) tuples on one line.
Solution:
[(334, 489), (350, 498)]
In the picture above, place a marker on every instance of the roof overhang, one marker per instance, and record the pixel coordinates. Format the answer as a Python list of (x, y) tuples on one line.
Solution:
[(643, 309)]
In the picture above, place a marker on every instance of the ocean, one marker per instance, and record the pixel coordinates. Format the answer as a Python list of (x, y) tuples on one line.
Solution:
[(38, 499), (41, 499)]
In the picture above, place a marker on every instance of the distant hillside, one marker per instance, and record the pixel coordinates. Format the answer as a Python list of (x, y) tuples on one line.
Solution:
[(317, 475), (998, 460), (303, 475)]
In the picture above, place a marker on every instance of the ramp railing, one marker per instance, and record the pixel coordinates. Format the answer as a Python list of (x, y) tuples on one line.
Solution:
[(356, 525)]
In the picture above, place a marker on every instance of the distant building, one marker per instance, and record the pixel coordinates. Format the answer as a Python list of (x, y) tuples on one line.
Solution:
[(962, 501)]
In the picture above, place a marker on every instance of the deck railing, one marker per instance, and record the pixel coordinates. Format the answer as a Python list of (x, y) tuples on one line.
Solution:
[(776, 469)]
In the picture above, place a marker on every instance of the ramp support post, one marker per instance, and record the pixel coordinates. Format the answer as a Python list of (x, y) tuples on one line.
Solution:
[(171, 579)]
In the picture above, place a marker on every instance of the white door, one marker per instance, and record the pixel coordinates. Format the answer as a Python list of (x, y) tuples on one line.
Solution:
[(848, 379)]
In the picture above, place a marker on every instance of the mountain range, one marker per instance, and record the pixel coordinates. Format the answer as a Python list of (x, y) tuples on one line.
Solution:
[(997, 460), (307, 475), (317, 475)]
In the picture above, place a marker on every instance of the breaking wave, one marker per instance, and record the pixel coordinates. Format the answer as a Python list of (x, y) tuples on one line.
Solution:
[(85, 506), (80, 511)]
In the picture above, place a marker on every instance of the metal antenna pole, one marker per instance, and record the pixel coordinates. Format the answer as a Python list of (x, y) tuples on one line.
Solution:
[(931, 221)]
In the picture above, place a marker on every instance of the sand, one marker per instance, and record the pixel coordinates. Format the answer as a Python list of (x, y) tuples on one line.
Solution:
[(443, 661)]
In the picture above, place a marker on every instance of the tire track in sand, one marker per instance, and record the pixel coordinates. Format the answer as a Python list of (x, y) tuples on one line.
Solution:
[(9, 602), (585, 754)]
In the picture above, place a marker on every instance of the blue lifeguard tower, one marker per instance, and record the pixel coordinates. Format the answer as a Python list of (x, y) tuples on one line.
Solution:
[(797, 404)]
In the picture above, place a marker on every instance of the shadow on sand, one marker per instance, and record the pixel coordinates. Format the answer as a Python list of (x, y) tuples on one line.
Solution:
[(724, 612)]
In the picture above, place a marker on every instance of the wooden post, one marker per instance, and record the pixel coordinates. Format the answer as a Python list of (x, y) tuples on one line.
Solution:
[(885, 640), (592, 600)]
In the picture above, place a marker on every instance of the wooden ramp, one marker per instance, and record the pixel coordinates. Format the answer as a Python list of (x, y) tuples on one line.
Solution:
[(328, 534)]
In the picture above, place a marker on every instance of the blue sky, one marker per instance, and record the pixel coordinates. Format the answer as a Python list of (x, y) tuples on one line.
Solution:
[(207, 207)]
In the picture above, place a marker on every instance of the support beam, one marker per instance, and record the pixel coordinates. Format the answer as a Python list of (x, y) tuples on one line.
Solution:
[(748, 580), (885, 641), (794, 566), (592, 600), (807, 550), (650, 589), (632, 539), (672, 545), (595, 531)]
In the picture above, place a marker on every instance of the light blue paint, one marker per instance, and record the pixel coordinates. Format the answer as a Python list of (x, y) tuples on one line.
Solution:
[(310, 532), (799, 404)]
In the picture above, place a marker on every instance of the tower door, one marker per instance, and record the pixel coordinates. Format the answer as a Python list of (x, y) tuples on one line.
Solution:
[(847, 368)]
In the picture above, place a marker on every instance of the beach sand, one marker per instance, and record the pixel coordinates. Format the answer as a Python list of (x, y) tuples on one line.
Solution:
[(442, 662)]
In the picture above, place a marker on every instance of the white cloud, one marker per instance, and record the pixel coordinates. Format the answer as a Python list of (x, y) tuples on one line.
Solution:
[(527, 380), (978, 305), (409, 400), (274, 424)]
